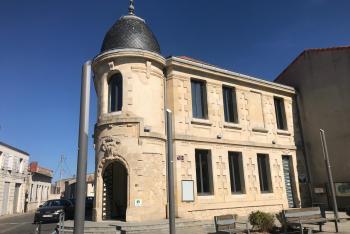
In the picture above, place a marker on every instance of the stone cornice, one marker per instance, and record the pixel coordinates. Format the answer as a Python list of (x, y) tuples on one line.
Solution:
[(112, 54), (210, 69), (107, 120), (232, 142)]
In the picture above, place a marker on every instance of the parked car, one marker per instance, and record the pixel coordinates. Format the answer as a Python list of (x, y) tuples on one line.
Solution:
[(50, 211), (89, 203)]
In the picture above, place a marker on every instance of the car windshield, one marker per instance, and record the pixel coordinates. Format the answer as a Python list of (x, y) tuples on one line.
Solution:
[(46, 203), (57, 203)]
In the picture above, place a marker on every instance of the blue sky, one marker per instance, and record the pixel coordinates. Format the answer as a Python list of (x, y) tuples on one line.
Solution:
[(43, 45)]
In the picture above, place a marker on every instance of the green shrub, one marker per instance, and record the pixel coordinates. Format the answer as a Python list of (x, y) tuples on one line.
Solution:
[(262, 221)]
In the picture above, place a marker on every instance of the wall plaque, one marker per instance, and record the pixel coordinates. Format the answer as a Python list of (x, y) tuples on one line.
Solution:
[(342, 189)]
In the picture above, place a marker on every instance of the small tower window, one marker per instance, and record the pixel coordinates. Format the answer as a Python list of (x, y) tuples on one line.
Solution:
[(115, 93)]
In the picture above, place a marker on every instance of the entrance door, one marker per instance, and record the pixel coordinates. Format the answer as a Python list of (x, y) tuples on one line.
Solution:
[(115, 184), (15, 198), (287, 169), (5, 198)]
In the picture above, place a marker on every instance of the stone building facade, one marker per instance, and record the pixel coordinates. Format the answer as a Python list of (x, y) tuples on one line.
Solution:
[(235, 136), (13, 178)]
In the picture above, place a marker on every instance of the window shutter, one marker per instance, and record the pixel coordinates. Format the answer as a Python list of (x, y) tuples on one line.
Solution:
[(15, 164), (6, 160), (10, 163), (1, 160)]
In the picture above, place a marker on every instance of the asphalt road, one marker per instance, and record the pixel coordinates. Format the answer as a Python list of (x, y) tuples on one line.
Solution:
[(23, 224)]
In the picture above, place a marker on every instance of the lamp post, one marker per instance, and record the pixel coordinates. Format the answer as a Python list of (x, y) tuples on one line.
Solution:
[(330, 177), (170, 162), (79, 216)]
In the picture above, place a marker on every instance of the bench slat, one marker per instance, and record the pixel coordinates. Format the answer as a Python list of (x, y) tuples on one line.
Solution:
[(225, 222)]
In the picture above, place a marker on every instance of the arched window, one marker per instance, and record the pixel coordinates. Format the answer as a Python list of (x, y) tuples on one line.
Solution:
[(115, 93)]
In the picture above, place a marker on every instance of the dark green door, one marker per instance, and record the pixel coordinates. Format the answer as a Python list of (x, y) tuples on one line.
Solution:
[(287, 169)]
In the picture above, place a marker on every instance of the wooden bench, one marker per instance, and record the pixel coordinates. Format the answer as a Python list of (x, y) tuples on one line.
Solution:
[(301, 216), (228, 224)]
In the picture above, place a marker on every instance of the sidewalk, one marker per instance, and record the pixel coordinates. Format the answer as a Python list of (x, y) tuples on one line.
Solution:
[(329, 227)]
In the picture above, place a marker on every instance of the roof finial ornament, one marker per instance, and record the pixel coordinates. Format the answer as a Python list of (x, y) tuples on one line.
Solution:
[(131, 8)]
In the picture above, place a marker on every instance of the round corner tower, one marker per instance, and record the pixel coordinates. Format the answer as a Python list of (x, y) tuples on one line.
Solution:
[(129, 133)]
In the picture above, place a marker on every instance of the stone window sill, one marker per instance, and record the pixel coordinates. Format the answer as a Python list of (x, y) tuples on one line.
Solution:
[(262, 130), (266, 193), (205, 122), (205, 196), (232, 126), (238, 194), (114, 113), (283, 132)]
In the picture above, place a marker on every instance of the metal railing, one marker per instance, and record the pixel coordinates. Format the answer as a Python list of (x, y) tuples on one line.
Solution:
[(60, 226), (37, 228)]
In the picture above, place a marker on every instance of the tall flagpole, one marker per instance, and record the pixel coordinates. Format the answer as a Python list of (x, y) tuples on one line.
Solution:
[(79, 216)]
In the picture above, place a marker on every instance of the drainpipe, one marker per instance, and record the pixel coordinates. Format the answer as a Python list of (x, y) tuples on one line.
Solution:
[(170, 160), (305, 153)]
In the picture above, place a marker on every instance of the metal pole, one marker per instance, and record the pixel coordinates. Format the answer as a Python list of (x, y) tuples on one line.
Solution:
[(170, 161), (79, 216), (330, 177)]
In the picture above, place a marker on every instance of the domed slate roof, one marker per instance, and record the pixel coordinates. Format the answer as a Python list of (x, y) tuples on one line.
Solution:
[(130, 32)]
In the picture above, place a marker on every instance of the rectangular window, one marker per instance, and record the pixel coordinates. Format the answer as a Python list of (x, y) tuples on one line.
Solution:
[(199, 99), (264, 173), (280, 113), (230, 104), (203, 172), (115, 96), (236, 172)]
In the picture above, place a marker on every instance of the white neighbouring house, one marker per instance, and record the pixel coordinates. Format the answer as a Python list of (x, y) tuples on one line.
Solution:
[(13, 178), (38, 186)]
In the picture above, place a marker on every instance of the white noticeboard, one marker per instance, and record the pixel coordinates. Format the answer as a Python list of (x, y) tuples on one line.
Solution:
[(187, 190)]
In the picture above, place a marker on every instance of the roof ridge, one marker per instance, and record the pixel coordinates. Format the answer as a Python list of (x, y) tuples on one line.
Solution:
[(310, 50)]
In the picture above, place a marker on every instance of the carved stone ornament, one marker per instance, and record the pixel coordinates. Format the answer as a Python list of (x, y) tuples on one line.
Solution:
[(110, 146)]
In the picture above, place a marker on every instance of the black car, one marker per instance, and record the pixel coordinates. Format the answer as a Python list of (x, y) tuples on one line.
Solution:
[(50, 211), (89, 202)]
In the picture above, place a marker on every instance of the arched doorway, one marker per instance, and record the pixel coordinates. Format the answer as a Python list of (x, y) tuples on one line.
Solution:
[(115, 183)]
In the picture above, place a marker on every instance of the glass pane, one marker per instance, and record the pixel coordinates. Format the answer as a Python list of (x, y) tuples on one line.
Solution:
[(198, 99), (235, 174), (280, 112), (205, 172), (115, 93), (263, 173), (202, 171), (230, 108), (198, 173)]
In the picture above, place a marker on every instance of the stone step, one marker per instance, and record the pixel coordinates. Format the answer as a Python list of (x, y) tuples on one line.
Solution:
[(183, 226), (92, 227)]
